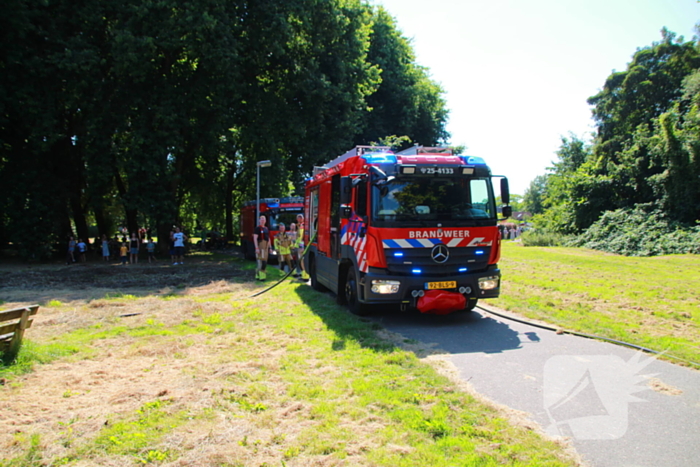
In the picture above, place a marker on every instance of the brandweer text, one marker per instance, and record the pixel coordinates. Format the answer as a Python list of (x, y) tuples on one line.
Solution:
[(438, 234)]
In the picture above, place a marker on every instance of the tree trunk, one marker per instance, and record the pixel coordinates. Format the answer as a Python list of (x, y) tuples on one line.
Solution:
[(164, 229), (103, 227)]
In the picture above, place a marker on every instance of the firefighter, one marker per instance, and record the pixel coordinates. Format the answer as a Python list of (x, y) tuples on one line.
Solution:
[(300, 246), (261, 239), (283, 245), (295, 248)]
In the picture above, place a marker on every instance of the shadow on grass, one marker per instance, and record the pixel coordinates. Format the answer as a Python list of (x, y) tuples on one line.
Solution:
[(461, 332), (93, 280), (345, 325)]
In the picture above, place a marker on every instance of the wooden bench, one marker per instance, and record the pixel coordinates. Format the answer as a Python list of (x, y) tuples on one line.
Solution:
[(12, 326)]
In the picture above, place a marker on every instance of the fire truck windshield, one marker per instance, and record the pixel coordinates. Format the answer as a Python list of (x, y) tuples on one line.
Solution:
[(420, 200), (274, 218)]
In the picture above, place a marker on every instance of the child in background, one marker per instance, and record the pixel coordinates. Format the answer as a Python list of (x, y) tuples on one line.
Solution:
[(82, 250), (151, 247), (124, 253)]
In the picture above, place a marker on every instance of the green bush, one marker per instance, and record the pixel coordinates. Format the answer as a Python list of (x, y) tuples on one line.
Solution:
[(639, 231), (541, 237)]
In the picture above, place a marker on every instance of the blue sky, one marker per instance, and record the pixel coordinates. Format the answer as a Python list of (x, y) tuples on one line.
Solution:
[(517, 73)]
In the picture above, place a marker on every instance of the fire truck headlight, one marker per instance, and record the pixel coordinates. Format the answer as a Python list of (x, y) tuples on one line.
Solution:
[(385, 287), (488, 283)]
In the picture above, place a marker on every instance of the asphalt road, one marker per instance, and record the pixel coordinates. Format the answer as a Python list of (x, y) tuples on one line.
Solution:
[(620, 407)]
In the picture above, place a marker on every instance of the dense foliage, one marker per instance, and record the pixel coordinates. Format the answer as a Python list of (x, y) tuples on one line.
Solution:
[(154, 112), (642, 169), (639, 231)]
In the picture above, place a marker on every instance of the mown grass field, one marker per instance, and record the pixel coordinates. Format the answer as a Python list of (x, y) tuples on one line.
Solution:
[(652, 302), (152, 364)]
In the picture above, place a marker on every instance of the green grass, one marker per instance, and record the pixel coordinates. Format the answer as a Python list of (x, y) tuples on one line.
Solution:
[(33, 353), (652, 301), (359, 399)]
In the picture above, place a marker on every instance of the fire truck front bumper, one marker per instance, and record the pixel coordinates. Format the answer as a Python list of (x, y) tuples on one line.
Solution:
[(408, 290)]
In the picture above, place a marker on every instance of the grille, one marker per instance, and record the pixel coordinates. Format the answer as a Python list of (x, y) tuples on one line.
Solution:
[(460, 257)]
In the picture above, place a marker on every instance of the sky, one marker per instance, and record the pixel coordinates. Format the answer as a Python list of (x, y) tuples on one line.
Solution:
[(517, 74)]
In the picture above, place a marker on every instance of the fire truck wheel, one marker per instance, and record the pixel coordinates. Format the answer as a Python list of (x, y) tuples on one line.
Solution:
[(312, 275), (350, 295), (471, 304)]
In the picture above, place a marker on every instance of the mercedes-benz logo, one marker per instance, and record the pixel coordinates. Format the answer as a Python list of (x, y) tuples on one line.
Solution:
[(440, 253)]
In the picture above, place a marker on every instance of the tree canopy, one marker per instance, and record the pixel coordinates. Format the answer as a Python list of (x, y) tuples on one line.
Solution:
[(154, 112), (645, 156)]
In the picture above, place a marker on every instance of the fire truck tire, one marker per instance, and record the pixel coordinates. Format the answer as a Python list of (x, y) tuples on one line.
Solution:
[(350, 295), (471, 304), (312, 276)]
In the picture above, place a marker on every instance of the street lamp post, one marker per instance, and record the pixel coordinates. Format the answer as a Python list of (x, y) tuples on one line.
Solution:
[(257, 199)]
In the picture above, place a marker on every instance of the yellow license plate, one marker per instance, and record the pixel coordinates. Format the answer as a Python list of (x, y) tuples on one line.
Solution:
[(441, 285)]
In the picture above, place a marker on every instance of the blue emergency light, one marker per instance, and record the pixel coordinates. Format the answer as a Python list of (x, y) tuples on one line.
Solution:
[(473, 160), (379, 158)]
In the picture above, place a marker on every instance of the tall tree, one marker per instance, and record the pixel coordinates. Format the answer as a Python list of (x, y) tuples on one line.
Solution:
[(649, 87), (160, 109), (533, 200), (407, 102)]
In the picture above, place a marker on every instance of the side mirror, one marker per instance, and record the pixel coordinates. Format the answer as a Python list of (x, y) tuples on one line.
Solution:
[(505, 191), (507, 211), (345, 211), (345, 190)]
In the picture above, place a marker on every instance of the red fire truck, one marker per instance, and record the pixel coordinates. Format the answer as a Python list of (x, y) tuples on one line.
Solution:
[(275, 210), (416, 228)]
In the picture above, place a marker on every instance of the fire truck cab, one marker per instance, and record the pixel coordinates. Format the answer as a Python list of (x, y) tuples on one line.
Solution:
[(417, 228), (275, 210)]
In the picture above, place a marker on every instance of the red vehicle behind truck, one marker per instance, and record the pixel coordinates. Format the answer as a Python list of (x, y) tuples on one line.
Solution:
[(417, 228), (275, 210)]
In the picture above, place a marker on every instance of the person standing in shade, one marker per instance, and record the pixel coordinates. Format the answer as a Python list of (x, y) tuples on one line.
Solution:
[(134, 249), (292, 234), (151, 248), (283, 245), (105, 248), (261, 240), (70, 255), (124, 253), (82, 250), (179, 240), (300, 245)]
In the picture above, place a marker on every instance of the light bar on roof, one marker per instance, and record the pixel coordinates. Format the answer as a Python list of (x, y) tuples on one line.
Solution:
[(380, 158)]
